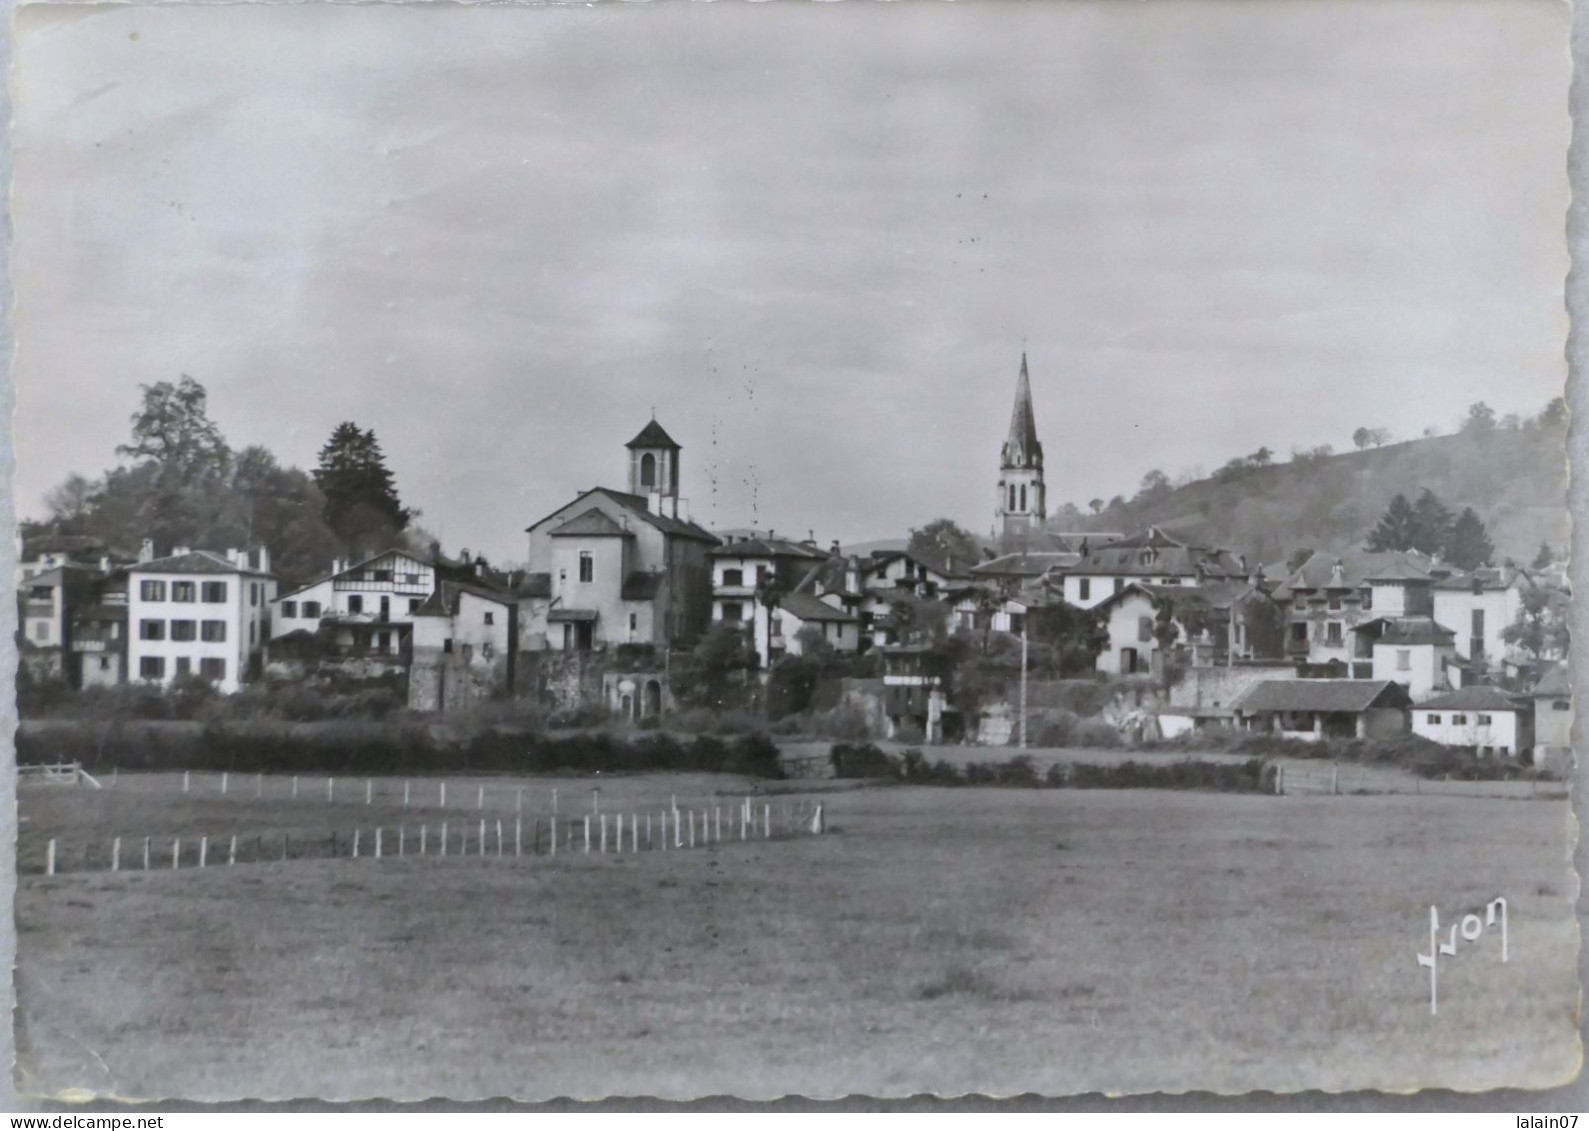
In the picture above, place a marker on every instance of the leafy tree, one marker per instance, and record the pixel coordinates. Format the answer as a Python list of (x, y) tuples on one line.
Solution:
[(1480, 419), (1398, 527), (361, 503), (1299, 557), (1155, 485), (1545, 558), (1362, 438), (1096, 505), (1263, 457), (1469, 545), (1541, 629), (942, 540), (1071, 637), (717, 672), (71, 502), (1555, 413), (1432, 524), (173, 430)]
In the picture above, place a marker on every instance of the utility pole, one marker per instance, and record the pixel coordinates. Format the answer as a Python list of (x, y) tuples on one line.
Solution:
[(1023, 684)]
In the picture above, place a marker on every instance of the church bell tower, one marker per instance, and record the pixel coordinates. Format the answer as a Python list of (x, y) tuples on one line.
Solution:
[(654, 469), (1021, 506)]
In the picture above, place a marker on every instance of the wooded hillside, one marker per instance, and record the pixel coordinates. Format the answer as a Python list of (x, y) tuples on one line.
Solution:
[(1514, 477)]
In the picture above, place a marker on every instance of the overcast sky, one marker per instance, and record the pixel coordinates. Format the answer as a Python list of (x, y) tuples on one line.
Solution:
[(813, 236)]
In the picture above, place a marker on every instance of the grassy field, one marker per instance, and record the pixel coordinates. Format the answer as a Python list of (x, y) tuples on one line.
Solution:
[(949, 941)]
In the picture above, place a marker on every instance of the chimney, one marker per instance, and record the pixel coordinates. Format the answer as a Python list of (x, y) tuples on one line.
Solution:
[(178, 551), (834, 549), (463, 555), (104, 563), (146, 550), (262, 559)]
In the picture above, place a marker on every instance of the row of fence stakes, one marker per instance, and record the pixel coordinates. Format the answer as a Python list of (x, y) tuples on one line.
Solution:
[(690, 827), (369, 791)]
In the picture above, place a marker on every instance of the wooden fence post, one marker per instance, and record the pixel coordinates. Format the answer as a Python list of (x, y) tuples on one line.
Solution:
[(204, 850), (186, 774), (664, 839), (145, 854), (423, 830), (692, 828), (648, 831), (1335, 777), (231, 851), (295, 787), (355, 844), (114, 770), (369, 791), (518, 836), (224, 776), (634, 832), (587, 836), (717, 821), (402, 840), (442, 802), (405, 795), (115, 855), (176, 853), (480, 798), (482, 836), (331, 788), (603, 819), (377, 842), (499, 836), (443, 838), (766, 821), (49, 858)]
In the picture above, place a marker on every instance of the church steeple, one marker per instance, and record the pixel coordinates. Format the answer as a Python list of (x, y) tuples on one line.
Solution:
[(1021, 510), (1022, 450)]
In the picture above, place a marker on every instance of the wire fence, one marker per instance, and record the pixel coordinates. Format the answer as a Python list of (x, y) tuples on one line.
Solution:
[(1333, 778), (598, 834)]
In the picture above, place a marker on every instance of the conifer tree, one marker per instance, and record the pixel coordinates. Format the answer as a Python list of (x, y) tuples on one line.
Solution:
[(361, 503), (1432, 524), (1398, 527), (1469, 546)]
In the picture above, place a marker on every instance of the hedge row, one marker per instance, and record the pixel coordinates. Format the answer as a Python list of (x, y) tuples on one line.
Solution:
[(399, 748), (864, 760)]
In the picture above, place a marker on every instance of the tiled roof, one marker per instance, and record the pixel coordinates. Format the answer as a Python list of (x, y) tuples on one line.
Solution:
[(636, 504), (195, 561), (1030, 563), (445, 600), (1479, 698), (807, 607), (881, 559), (765, 548), (1488, 579), (1350, 695), (594, 523), (1154, 553), (640, 586), (1406, 630), (1553, 684), (653, 435), (1319, 571)]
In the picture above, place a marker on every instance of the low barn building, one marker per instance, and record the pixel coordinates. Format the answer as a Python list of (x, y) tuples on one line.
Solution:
[(1311, 709), (1483, 719)]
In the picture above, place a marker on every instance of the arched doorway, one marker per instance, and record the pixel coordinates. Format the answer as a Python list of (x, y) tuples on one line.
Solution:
[(626, 706), (653, 694)]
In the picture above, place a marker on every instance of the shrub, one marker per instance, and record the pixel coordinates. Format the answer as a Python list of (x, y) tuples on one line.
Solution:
[(861, 761), (756, 755), (1095, 732)]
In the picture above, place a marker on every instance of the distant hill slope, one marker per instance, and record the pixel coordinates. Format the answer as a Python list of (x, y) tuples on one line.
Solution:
[(1515, 479)]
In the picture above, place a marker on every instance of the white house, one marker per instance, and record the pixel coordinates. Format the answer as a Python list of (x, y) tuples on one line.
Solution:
[(465, 646), (368, 605), (1413, 651), (1149, 558), (1482, 718), (798, 611), (198, 612), (744, 567), (1131, 617), (1478, 607)]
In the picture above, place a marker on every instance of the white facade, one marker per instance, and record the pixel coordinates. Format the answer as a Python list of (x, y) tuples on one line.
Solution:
[(376, 598), (1480, 617), (1420, 668), (200, 621), (1089, 590), (1491, 731), (1132, 644)]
